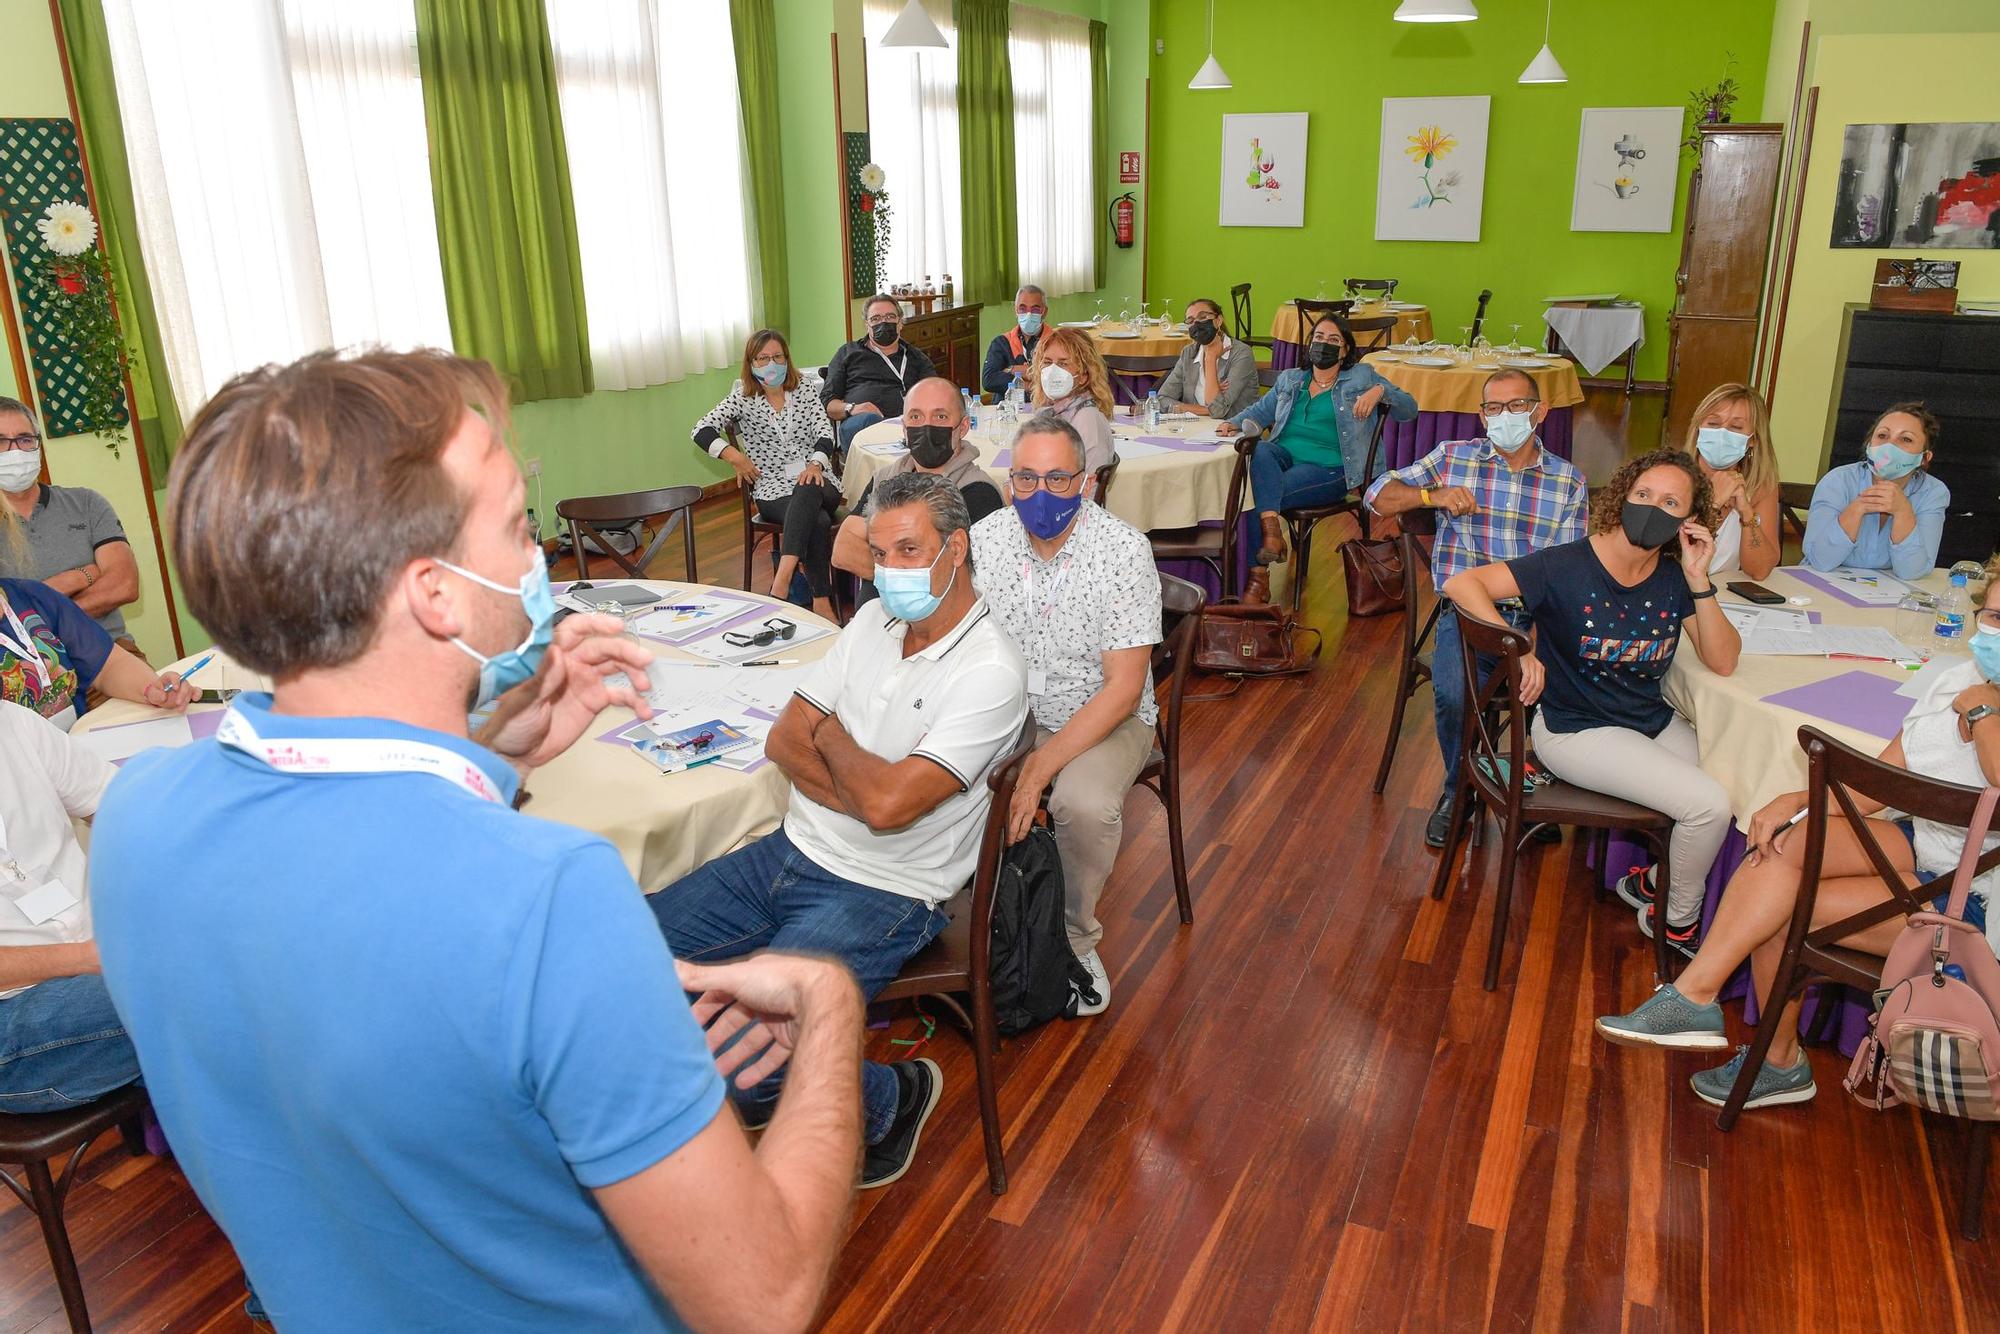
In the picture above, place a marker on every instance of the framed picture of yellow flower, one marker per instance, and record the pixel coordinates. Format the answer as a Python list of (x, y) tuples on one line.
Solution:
[(1431, 180), (1627, 161)]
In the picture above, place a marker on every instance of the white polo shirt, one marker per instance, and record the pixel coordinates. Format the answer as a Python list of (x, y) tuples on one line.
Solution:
[(46, 779), (958, 703)]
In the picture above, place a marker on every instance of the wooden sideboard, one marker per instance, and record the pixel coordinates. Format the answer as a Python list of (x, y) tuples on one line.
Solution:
[(950, 338), (1952, 364)]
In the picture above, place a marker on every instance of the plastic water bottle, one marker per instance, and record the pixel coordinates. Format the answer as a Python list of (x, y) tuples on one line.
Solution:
[(1951, 611), (1153, 411), (971, 409)]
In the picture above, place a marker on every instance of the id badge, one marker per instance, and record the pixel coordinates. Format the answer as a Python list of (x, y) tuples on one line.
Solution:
[(46, 902), (1038, 681)]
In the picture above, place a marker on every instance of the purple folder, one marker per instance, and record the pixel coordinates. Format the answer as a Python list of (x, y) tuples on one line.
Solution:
[(1857, 699)]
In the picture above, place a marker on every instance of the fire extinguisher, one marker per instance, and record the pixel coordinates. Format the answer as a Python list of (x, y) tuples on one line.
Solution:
[(1121, 220)]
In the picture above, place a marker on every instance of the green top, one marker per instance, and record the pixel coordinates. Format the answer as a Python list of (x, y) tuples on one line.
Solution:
[(1312, 433)]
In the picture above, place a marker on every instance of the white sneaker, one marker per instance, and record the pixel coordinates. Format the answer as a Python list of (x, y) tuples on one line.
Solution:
[(1100, 982)]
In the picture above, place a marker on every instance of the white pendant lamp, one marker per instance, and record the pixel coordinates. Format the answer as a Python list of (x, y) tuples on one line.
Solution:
[(1545, 68), (1436, 11), (913, 28), (1210, 74)]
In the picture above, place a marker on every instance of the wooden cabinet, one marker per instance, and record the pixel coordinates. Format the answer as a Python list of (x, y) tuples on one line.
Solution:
[(950, 338), (1712, 332), (1951, 363)]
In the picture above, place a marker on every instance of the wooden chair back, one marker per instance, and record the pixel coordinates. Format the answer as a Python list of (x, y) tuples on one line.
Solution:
[(1239, 313), (1181, 603), (1495, 752), (587, 515), (1311, 309), (1267, 376), (1105, 474), (1356, 286), (1794, 503), (1372, 333), (1479, 314)]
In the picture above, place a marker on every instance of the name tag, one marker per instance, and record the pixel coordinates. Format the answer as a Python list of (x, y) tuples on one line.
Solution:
[(49, 901), (1038, 681)]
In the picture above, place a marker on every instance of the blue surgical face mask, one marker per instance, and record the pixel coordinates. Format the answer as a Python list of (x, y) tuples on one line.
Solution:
[(770, 376), (1985, 646), (1031, 323), (906, 591), (1891, 463), (503, 671), (1047, 515), (1510, 430), (1722, 447)]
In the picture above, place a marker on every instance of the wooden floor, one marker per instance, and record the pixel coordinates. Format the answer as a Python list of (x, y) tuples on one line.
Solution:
[(1302, 1112)]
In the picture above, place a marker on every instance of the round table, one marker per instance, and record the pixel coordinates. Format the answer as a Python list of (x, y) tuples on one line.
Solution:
[(1412, 321), (1136, 340), (663, 825), (1448, 400)]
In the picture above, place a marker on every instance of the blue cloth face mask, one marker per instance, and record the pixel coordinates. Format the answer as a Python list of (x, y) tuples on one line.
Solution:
[(1510, 430), (1031, 323), (1720, 446), (906, 590), (770, 376), (1985, 648), (1045, 515), (503, 671), (1891, 463)]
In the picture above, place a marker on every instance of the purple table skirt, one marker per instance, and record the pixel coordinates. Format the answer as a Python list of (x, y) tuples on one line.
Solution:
[(1403, 443), (1249, 536)]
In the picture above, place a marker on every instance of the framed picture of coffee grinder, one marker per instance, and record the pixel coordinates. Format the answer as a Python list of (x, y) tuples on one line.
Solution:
[(1627, 161)]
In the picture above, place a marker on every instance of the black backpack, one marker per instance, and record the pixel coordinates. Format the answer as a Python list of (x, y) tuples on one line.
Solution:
[(1035, 974)]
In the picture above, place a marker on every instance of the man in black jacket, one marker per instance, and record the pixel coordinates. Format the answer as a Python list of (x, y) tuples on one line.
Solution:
[(867, 378)]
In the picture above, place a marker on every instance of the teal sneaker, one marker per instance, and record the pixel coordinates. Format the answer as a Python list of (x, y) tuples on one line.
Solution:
[(1667, 1019), (1775, 1085)]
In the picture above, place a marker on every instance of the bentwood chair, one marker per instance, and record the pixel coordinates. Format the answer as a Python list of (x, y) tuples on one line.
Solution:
[(588, 515), (1242, 323), (1267, 376), (1382, 287), (1212, 546), (1299, 523), (1106, 474), (1838, 775), (1173, 656), (1479, 314), (1372, 333), (1493, 763), (1417, 666), (958, 961), (1311, 309), (1794, 503), (33, 1141), (1140, 375)]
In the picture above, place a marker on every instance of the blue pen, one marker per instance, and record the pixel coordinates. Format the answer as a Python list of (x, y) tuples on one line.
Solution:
[(199, 663), (684, 607)]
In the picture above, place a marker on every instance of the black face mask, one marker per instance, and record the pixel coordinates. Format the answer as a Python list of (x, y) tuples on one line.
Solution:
[(931, 446), (1202, 331), (1648, 526), (883, 333), (1323, 356)]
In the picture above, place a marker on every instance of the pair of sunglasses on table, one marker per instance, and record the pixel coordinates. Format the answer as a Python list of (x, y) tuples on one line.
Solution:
[(773, 630)]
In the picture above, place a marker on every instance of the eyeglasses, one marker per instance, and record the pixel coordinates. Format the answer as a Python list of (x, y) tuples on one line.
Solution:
[(774, 629), (19, 441), (769, 359), (1511, 405), (1988, 618), (1058, 482)]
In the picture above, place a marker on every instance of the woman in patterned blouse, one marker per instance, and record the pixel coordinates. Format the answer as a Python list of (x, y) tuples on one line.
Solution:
[(773, 429)]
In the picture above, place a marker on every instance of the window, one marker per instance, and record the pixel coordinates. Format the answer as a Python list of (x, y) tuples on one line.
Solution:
[(1054, 185), (913, 137), (656, 164), (282, 180)]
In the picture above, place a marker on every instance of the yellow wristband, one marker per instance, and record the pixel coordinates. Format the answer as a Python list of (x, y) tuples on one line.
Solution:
[(1425, 492)]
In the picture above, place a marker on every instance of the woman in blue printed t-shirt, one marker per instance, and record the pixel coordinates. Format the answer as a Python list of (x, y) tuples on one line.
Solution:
[(1608, 613), (52, 653), (1887, 511)]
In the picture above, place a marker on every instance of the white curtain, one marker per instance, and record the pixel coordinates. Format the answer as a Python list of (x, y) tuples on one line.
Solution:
[(913, 137), (1053, 170), (650, 117), (282, 179)]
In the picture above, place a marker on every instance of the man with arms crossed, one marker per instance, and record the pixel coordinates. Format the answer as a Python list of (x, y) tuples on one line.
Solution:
[(425, 1059)]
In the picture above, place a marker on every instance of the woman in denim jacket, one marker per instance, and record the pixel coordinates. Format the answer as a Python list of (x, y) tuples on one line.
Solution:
[(1315, 447)]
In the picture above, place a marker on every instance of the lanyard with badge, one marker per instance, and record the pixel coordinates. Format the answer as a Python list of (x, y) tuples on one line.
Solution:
[(39, 898), (1039, 613), (897, 366), (354, 755), (16, 640)]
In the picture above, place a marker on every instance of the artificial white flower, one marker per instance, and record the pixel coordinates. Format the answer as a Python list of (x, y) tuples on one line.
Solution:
[(67, 229), (872, 178)]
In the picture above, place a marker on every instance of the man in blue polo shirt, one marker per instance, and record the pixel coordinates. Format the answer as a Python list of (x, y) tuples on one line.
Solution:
[(427, 1060)]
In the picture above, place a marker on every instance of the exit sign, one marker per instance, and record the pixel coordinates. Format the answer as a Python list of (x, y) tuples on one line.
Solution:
[(1128, 168)]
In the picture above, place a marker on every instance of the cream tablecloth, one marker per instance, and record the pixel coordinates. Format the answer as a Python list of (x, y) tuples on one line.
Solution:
[(1160, 487), (1412, 321), (1133, 340), (663, 825), (1750, 746), (1458, 388)]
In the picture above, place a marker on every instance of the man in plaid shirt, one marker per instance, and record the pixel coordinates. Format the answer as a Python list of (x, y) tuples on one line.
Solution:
[(1498, 497)]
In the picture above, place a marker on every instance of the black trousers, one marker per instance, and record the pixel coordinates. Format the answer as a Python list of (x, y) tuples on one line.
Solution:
[(807, 515)]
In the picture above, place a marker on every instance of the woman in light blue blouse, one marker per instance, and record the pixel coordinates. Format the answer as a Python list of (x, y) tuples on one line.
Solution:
[(1885, 512)]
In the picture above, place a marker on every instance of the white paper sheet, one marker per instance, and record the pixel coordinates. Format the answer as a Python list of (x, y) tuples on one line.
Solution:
[(714, 647), (128, 739), (1874, 587), (1865, 641), (1920, 681)]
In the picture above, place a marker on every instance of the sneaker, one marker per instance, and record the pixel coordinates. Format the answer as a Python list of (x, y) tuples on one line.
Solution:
[(1438, 827), (1686, 938), (1638, 887), (1667, 1019), (1775, 1086), (1096, 998), (888, 1158)]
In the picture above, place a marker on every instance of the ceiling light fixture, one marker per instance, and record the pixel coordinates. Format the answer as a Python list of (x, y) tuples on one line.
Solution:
[(1545, 68), (1210, 74), (1436, 11), (913, 28)]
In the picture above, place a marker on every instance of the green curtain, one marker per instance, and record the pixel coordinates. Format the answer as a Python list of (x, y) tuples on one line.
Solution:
[(1100, 149), (513, 276), (103, 132), (986, 149), (754, 26)]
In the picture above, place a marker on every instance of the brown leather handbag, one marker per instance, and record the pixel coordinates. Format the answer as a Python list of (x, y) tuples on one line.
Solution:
[(1374, 570), (1252, 639)]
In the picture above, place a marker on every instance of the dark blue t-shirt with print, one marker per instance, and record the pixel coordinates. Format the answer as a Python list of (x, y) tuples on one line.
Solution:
[(1605, 646)]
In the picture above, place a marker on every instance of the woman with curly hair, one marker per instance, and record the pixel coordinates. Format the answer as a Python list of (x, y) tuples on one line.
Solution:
[(1071, 380), (1608, 614)]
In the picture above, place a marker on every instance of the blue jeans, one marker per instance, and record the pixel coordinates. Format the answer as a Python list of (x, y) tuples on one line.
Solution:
[(855, 424), (1448, 685), (1277, 481), (772, 896), (62, 1045)]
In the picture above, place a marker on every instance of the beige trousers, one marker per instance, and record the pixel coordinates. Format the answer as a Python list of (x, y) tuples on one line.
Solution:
[(1088, 808)]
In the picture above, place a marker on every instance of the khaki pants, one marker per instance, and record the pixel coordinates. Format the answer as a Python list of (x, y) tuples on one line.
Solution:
[(1088, 808)]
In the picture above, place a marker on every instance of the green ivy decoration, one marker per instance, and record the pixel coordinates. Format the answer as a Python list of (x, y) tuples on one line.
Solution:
[(73, 279)]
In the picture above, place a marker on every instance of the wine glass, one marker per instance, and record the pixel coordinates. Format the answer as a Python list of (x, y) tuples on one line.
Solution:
[(1321, 294), (1166, 312), (1465, 335), (1516, 345), (1125, 311), (1098, 318)]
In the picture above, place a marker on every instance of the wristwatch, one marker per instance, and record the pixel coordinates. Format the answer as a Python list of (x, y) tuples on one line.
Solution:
[(1976, 712)]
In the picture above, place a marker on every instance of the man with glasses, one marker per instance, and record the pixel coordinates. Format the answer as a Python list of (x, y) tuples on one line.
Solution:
[(1009, 354), (888, 744), (1499, 497), (67, 537), (869, 377), (1077, 590)]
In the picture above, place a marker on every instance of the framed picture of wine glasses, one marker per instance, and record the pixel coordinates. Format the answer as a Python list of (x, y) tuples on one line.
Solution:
[(1431, 181), (1627, 169), (1264, 170)]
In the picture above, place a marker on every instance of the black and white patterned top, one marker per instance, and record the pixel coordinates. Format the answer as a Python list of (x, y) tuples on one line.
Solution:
[(781, 444), (1100, 592)]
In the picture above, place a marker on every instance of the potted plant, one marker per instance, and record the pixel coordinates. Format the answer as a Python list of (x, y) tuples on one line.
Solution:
[(1710, 106)]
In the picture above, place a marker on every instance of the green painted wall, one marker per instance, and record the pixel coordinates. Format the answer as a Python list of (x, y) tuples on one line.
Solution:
[(1337, 62)]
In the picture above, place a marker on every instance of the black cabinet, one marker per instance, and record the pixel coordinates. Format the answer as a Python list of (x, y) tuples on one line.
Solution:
[(1952, 364)]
